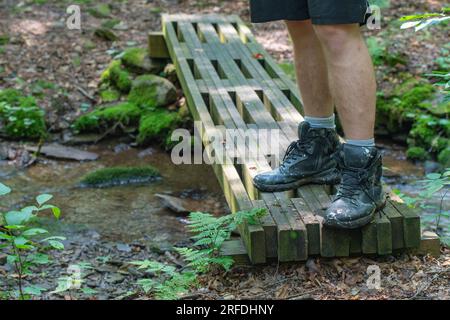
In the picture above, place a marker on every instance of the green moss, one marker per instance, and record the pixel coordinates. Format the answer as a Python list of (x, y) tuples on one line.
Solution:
[(109, 95), (444, 157), (117, 76), (20, 115), (103, 118), (380, 54), (407, 101), (417, 153), (157, 125), (150, 91), (134, 57), (114, 176), (430, 132)]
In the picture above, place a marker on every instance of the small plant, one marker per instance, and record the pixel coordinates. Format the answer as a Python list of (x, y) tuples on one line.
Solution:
[(435, 183), (209, 234), (74, 280), (25, 244)]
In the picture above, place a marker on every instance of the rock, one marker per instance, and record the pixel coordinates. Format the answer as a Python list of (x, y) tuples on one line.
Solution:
[(170, 73), (114, 176), (4, 152), (431, 166), (138, 61), (179, 205), (62, 152), (150, 91), (145, 153), (3, 259), (123, 247), (81, 139), (121, 147)]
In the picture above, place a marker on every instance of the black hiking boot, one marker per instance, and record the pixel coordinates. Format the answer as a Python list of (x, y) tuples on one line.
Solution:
[(360, 193), (307, 160)]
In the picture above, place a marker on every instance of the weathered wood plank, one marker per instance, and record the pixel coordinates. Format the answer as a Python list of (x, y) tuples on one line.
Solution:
[(236, 250), (157, 47), (396, 220), (411, 225), (270, 230), (311, 223), (384, 234)]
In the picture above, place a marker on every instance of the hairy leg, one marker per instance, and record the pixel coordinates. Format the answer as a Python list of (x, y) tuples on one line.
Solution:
[(351, 78), (311, 68)]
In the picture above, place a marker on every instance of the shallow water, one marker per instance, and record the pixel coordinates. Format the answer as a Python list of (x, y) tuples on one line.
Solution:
[(122, 213)]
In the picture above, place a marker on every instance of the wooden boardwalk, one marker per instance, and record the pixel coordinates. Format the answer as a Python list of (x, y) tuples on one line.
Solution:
[(230, 81)]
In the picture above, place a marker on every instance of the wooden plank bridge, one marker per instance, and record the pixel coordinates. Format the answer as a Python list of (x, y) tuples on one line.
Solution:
[(230, 81)]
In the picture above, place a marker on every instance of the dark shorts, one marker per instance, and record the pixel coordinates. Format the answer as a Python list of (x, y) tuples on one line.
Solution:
[(319, 11)]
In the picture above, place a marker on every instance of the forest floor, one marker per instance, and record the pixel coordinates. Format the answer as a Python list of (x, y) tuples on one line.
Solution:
[(41, 50)]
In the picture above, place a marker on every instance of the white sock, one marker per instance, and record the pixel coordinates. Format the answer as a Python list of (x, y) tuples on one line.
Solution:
[(327, 123)]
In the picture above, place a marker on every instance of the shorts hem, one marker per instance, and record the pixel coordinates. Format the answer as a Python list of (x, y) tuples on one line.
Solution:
[(331, 21)]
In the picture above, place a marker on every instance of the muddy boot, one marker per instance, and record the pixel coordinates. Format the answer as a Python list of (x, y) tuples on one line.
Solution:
[(308, 160), (360, 193)]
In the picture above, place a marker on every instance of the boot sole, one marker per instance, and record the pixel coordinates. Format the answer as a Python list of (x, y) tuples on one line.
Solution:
[(328, 177), (358, 223)]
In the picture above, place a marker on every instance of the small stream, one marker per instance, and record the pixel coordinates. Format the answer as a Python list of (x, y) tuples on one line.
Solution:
[(122, 213)]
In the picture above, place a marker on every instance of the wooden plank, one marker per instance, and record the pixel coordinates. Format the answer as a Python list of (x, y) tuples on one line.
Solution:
[(411, 225), (369, 238), (298, 234), (430, 244), (311, 223), (157, 47), (236, 250), (355, 246), (270, 230), (384, 234), (334, 241), (396, 220)]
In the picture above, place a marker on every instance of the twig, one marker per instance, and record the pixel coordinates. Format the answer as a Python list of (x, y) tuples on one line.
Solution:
[(85, 93)]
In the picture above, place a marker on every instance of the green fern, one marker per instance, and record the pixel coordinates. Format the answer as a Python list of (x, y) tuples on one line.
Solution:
[(209, 234)]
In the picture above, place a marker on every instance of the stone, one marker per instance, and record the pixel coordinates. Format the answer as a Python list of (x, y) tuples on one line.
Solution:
[(138, 61), (150, 91), (63, 152)]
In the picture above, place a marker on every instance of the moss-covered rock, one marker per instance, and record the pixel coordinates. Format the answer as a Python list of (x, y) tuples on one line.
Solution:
[(156, 126), (417, 153), (114, 176), (116, 76), (138, 61), (150, 91), (104, 117), (20, 116)]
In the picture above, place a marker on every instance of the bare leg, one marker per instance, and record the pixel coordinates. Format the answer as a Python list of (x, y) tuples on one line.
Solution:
[(311, 67), (351, 78)]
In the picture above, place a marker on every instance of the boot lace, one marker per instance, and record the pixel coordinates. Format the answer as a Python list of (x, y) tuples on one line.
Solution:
[(296, 149), (353, 182)]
